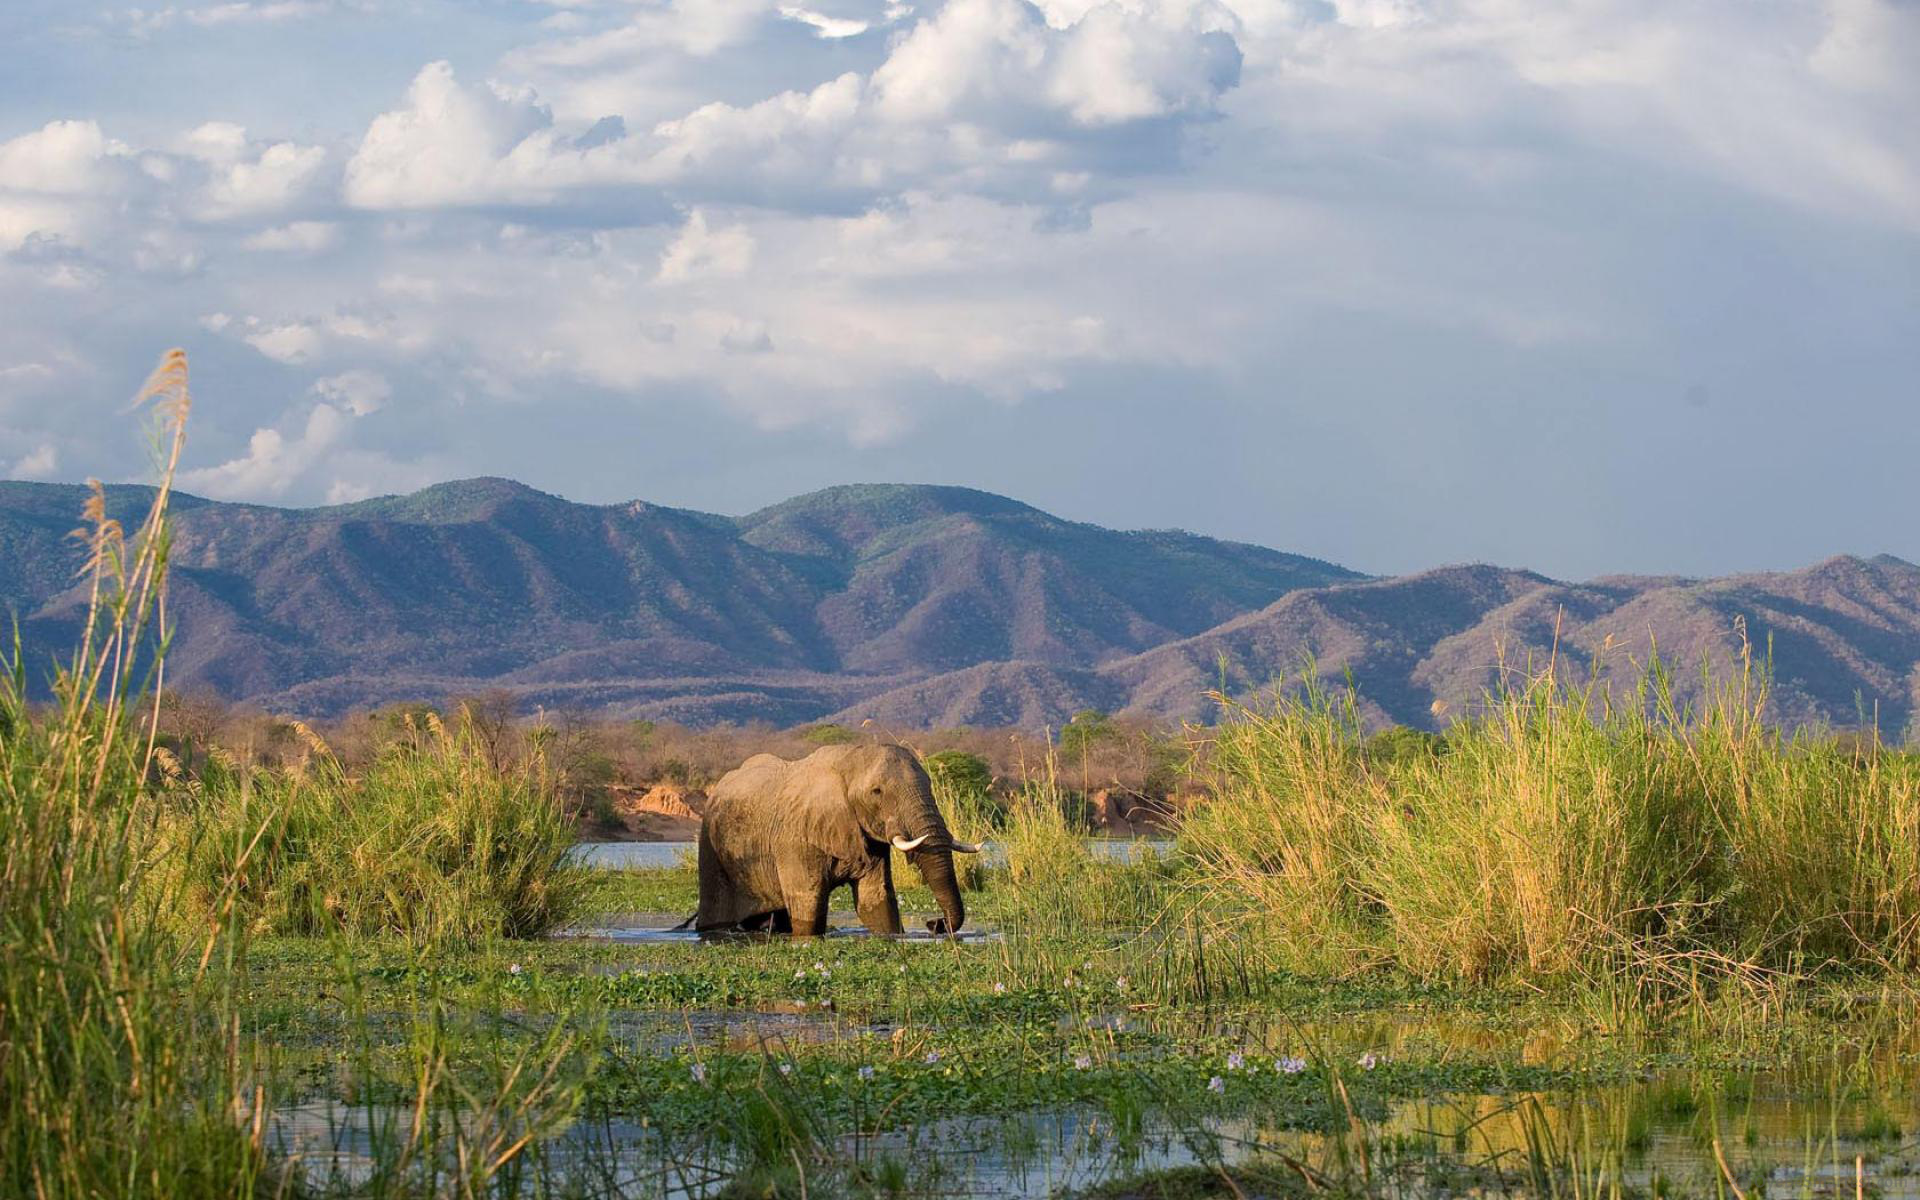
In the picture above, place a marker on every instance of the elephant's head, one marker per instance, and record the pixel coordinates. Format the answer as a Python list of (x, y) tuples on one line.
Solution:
[(892, 800)]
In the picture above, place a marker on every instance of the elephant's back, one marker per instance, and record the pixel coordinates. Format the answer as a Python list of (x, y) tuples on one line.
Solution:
[(759, 777)]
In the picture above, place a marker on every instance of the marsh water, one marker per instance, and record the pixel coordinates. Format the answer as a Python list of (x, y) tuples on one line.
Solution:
[(1664, 1133), (1829, 1118), (654, 855)]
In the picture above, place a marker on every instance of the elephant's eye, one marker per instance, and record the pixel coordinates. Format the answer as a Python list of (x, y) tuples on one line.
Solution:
[(877, 791)]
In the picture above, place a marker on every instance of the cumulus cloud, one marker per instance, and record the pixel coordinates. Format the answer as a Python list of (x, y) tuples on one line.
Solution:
[(1000, 62), (52, 179), (448, 145), (360, 392), (235, 12), (273, 461), (42, 462), (314, 451), (703, 251), (304, 237), (245, 178)]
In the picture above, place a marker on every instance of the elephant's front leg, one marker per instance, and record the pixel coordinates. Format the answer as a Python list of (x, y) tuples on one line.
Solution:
[(874, 900), (807, 907)]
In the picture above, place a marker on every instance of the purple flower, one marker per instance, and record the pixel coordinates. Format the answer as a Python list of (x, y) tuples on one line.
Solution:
[(1217, 1085), (999, 989), (1369, 1061), (1235, 1061), (1083, 1062), (866, 1072), (1290, 1065), (933, 1056)]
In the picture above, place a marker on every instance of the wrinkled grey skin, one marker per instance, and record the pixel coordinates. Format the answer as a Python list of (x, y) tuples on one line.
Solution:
[(779, 836)]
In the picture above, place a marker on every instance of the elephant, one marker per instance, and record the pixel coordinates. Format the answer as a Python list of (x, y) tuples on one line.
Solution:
[(779, 836)]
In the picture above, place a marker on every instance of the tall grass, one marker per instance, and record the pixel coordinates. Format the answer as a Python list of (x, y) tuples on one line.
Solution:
[(431, 841), (1555, 838), (120, 1071)]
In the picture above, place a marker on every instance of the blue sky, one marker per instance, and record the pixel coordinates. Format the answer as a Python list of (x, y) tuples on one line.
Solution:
[(1603, 286)]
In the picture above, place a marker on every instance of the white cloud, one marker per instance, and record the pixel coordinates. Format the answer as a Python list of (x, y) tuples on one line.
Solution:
[(997, 61), (360, 392), (236, 12), (292, 343), (702, 251), (62, 158), (277, 177), (823, 25), (449, 145), (315, 453), (42, 462), (304, 237), (54, 181)]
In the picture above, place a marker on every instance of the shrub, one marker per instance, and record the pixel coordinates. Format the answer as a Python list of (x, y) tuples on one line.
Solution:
[(431, 841), (828, 735), (1088, 727), (1557, 840), (960, 773)]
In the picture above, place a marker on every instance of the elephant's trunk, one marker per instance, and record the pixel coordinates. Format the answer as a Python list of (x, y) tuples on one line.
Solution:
[(936, 867)]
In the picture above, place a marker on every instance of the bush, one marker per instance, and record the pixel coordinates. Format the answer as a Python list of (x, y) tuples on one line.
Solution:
[(430, 842), (960, 773), (828, 735), (1554, 842)]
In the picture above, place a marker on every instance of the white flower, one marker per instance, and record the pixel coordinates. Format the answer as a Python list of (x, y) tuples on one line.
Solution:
[(1083, 1062), (999, 989), (1369, 1061), (799, 974), (1121, 983), (819, 966), (1290, 1065), (1217, 1084), (786, 1068), (866, 1072), (903, 968), (699, 1072), (799, 1003), (514, 969)]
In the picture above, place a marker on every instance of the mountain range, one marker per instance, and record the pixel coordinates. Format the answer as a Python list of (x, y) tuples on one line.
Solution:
[(910, 605)]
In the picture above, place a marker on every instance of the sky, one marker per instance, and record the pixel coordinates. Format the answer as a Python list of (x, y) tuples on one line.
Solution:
[(1588, 287)]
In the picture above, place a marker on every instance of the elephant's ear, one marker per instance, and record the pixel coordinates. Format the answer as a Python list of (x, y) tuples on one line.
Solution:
[(826, 819)]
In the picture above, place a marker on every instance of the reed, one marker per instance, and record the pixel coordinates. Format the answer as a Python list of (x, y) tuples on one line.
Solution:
[(121, 1070), (431, 841), (1558, 838)]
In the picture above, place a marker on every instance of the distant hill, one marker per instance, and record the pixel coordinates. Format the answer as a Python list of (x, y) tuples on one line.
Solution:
[(910, 605), (784, 615)]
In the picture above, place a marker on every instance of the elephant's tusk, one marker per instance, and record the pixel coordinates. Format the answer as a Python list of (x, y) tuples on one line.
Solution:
[(903, 845), (965, 848)]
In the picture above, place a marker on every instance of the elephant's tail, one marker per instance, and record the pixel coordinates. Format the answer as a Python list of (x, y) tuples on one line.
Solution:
[(686, 924)]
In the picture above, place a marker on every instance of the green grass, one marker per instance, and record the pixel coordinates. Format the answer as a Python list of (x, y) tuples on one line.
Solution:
[(1552, 843), (119, 1073), (430, 842)]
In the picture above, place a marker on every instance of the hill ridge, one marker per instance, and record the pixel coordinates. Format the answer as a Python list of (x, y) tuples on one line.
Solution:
[(908, 603)]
